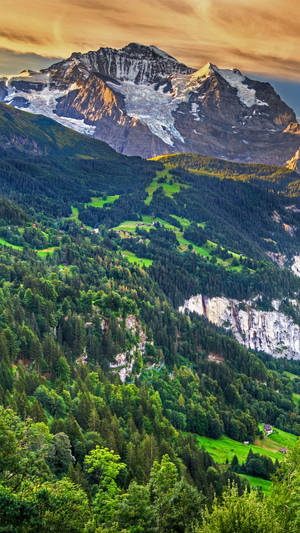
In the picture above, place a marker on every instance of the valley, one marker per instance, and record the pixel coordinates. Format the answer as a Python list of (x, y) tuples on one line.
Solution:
[(105, 359)]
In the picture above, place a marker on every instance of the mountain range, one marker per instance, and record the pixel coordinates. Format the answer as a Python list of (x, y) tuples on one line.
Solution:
[(141, 101)]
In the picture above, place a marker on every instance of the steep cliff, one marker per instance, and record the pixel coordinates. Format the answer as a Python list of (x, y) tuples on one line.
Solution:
[(272, 332)]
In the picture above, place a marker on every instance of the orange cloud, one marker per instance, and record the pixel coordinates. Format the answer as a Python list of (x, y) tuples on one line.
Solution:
[(253, 35)]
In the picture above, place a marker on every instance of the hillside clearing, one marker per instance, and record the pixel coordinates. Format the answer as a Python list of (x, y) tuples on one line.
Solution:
[(225, 448), (258, 483), (100, 201), (167, 182), (132, 258)]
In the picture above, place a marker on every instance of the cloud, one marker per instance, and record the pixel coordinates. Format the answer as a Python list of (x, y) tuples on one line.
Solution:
[(253, 35), (12, 62), (268, 62), (257, 20), (177, 6), (147, 29), (19, 36), (181, 7), (98, 5)]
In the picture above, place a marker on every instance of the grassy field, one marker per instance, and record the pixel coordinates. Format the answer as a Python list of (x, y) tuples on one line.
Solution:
[(132, 258), (258, 482), (100, 201), (291, 376), (185, 222), (127, 225), (170, 186), (225, 448), (46, 251), (41, 253), (74, 215), (279, 439), (14, 246), (296, 398), (206, 250)]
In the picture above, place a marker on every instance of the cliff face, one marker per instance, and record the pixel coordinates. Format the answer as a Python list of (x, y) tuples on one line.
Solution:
[(124, 362), (294, 162), (142, 101), (269, 331)]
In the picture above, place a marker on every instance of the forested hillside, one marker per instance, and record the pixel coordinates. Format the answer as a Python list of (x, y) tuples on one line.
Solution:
[(105, 388), (279, 179)]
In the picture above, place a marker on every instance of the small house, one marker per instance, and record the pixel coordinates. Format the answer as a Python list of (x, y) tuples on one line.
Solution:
[(267, 429)]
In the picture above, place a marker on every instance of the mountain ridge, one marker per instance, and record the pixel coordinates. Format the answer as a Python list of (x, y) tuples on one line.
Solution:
[(142, 101)]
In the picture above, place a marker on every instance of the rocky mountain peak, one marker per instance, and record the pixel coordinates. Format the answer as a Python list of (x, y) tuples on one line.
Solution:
[(135, 62), (142, 101), (204, 72), (137, 50)]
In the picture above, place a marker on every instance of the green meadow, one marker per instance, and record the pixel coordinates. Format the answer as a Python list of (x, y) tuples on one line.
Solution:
[(41, 253), (205, 250), (259, 483), (100, 201), (14, 246), (291, 376), (225, 448), (169, 185), (132, 258)]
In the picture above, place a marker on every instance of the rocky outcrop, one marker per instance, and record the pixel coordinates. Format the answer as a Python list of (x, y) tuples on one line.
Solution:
[(142, 101), (296, 265), (294, 162), (124, 361), (277, 257), (269, 331)]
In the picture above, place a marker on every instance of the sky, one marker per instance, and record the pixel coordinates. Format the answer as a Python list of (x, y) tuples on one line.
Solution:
[(260, 37)]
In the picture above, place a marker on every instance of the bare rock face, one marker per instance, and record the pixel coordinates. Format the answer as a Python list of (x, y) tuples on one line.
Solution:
[(124, 361), (272, 332), (142, 101), (296, 265), (294, 162)]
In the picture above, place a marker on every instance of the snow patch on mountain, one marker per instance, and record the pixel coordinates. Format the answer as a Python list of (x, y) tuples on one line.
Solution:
[(156, 106), (76, 124), (246, 95), (44, 102), (153, 107)]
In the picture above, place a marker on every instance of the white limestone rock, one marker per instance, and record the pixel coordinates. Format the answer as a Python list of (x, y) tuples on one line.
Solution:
[(269, 331), (124, 361), (296, 265)]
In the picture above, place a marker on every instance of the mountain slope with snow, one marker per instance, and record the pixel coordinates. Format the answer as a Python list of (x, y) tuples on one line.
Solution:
[(142, 101)]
